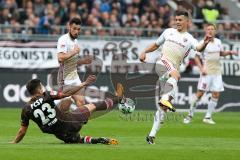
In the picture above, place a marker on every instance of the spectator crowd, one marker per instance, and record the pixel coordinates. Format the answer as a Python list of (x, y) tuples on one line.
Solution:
[(106, 17)]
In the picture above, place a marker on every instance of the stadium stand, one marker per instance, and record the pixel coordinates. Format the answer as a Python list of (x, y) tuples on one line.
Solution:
[(105, 17)]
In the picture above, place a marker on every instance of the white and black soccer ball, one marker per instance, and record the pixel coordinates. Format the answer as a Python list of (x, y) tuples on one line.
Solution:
[(127, 107)]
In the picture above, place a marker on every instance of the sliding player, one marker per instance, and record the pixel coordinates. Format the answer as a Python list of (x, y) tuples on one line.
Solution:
[(55, 120)]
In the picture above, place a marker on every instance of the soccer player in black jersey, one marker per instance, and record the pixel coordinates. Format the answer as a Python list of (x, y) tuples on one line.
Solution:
[(55, 120)]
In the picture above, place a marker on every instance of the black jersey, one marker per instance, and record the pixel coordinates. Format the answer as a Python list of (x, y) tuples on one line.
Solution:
[(50, 119), (42, 110)]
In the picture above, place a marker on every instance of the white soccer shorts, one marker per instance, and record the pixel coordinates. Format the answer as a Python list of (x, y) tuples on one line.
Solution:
[(164, 67), (211, 83), (72, 82)]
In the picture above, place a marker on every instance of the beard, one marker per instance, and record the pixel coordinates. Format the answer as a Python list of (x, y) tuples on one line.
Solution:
[(72, 36)]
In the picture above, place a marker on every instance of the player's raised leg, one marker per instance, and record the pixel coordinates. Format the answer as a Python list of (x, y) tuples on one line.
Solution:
[(167, 97), (109, 102), (82, 114)]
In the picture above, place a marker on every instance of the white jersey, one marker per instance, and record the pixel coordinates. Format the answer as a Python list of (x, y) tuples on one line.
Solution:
[(176, 46), (211, 57), (68, 68)]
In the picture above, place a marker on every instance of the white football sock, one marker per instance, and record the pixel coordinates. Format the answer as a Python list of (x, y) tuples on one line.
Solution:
[(211, 106), (173, 82), (157, 123), (193, 105)]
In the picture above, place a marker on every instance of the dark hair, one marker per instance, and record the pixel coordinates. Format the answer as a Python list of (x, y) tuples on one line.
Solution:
[(181, 13), (75, 20), (32, 85)]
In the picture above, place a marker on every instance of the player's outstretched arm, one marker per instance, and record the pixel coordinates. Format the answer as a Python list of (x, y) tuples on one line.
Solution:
[(21, 133), (85, 60), (149, 49), (226, 53), (63, 56), (90, 79)]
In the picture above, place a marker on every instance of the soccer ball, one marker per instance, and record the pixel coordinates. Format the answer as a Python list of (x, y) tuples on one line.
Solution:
[(126, 107)]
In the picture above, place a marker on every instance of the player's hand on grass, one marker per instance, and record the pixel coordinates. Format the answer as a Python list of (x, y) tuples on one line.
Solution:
[(90, 79), (142, 57)]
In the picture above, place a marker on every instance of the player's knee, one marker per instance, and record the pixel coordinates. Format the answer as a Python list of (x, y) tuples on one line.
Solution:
[(164, 108), (64, 104), (79, 100), (199, 94), (215, 95), (160, 69), (175, 75), (91, 107)]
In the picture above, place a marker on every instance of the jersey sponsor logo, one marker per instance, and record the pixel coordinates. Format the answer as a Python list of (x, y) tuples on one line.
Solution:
[(178, 43)]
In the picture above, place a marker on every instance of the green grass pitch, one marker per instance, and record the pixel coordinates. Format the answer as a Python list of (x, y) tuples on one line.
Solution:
[(175, 141)]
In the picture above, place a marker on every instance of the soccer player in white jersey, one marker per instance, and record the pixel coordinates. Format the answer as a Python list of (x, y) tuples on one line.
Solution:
[(210, 77), (176, 44), (68, 50)]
